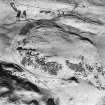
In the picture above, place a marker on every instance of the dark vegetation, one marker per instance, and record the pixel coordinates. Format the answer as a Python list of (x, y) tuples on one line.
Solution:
[(32, 58), (75, 67), (13, 83), (73, 79), (50, 101)]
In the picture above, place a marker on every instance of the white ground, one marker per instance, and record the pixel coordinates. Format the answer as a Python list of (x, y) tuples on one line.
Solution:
[(83, 93)]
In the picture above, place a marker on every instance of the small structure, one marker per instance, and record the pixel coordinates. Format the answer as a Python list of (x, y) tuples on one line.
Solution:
[(24, 15), (19, 12), (18, 15)]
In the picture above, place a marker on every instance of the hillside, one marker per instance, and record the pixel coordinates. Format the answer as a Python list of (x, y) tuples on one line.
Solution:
[(54, 56)]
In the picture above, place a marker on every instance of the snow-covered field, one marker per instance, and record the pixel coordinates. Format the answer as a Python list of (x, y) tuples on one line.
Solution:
[(54, 57)]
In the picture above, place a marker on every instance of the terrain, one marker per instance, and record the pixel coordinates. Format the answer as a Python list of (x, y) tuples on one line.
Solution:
[(54, 57)]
